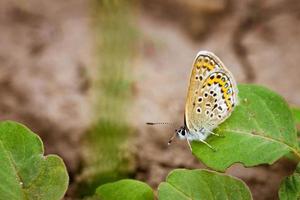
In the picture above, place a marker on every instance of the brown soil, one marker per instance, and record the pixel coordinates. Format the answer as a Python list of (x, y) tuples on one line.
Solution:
[(44, 52)]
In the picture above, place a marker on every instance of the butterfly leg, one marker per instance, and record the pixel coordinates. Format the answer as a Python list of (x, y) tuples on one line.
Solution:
[(216, 134), (189, 144), (208, 145)]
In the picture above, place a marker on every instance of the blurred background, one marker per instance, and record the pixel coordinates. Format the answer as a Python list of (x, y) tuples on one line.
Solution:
[(87, 75)]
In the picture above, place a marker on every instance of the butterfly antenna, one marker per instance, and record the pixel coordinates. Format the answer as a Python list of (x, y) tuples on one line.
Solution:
[(164, 123), (158, 123), (171, 138)]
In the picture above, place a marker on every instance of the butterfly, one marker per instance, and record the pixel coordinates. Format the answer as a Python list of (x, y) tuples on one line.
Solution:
[(211, 98)]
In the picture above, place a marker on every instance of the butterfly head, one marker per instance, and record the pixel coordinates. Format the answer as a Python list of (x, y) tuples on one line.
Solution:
[(181, 133)]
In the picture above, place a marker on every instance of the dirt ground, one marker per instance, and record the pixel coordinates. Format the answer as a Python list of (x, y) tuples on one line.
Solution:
[(46, 50)]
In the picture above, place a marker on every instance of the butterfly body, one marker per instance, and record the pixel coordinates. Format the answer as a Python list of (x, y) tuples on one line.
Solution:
[(184, 133), (211, 97)]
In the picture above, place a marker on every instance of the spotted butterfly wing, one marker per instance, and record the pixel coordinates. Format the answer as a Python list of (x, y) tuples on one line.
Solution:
[(212, 95)]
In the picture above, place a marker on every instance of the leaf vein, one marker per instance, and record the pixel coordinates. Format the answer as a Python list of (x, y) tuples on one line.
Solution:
[(12, 162), (184, 194), (269, 111), (265, 137)]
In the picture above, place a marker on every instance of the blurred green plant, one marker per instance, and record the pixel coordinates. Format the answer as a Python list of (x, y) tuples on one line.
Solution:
[(106, 152), (25, 173)]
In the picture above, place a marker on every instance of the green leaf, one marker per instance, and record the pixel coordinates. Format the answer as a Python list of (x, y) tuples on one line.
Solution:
[(125, 189), (260, 130), (185, 184), (290, 186), (296, 113), (24, 172)]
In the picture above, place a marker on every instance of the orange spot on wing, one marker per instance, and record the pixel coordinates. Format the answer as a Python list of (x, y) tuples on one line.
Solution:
[(223, 90)]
